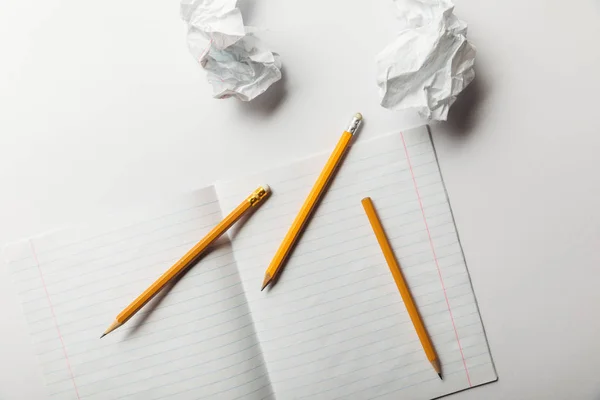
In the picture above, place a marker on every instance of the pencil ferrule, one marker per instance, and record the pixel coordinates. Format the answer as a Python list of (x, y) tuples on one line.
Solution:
[(257, 196), (354, 124)]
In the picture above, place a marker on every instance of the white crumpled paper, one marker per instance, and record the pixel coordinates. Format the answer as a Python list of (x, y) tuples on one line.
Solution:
[(237, 63), (429, 63)]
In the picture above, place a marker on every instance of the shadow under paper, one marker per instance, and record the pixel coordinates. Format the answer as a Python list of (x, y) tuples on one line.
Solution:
[(466, 111), (268, 102)]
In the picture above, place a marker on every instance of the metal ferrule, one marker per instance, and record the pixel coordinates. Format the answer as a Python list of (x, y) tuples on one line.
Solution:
[(355, 123), (257, 196)]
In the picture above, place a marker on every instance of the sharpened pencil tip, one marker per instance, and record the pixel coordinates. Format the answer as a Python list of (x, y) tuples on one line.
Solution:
[(266, 281), (440, 375), (111, 328)]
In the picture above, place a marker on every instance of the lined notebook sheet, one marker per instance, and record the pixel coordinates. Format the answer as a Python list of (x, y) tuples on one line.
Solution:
[(334, 325), (196, 342)]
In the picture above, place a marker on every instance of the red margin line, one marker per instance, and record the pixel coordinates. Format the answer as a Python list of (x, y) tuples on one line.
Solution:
[(435, 257), (35, 257)]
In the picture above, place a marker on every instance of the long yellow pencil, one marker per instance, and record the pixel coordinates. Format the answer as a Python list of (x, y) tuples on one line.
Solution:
[(311, 201), (251, 201), (401, 283)]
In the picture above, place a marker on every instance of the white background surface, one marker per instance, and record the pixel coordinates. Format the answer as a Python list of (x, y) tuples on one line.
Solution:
[(102, 107)]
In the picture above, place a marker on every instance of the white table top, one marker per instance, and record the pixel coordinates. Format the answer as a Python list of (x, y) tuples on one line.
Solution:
[(103, 106)]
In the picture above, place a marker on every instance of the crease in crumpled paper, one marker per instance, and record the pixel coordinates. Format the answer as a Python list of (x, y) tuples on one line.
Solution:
[(237, 63), (430, 61)]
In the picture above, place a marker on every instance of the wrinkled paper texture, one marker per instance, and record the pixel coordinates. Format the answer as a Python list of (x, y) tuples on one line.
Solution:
[(429, 63), (237, 63)]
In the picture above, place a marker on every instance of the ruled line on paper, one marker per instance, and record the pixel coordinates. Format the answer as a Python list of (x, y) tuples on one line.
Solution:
[(328, 196), (167, 261), (335, 298), (435, 257), (182, 245), (204, 321), (360, 259), (107, 233), (385, 351), (64, 349), (317, 238), (134, 287), (301, 339), (66, 269), (284, 215), (256, 241), (250, 335), (127, 296), (199, 375), (195, 332), (167, 329), (353, 216), (124, 299), (385, 317), (225, 198), (410, 343), (105, 245), (383, 272)]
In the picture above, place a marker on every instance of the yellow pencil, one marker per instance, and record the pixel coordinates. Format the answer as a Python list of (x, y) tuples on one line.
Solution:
[(251, 201), (311, 201), (401, 283)]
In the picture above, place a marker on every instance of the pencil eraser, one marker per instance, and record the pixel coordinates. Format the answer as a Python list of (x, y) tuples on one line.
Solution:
[(266, 187)]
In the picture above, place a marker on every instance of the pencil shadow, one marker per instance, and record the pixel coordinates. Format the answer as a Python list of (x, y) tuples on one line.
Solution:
[(275, 279), (140, 319), (152, 305), (277, 276)]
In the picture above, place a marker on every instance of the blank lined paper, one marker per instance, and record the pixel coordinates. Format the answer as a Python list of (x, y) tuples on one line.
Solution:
[(334, 325), (194, 341)]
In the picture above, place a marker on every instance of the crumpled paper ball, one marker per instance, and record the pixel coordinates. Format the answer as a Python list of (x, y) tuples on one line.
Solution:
[(429, 63), (237, 63)]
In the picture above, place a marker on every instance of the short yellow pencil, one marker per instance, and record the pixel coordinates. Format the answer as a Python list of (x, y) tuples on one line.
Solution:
[(401, 284), (311, 201), (251, 201)]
